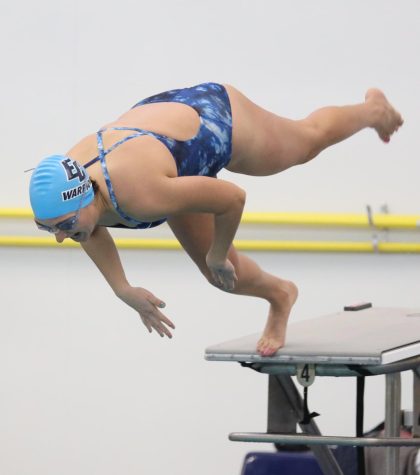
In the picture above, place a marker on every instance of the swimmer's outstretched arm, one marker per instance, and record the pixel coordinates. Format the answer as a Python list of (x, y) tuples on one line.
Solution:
[(102, 250)]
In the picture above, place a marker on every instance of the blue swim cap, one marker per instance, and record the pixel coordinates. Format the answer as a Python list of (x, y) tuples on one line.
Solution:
[(57, 186)]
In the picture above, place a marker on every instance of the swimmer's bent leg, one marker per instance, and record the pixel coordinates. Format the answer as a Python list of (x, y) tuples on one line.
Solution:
[(195, 232)]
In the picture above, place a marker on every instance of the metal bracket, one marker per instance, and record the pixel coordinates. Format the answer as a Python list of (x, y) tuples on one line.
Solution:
[(285, 410)]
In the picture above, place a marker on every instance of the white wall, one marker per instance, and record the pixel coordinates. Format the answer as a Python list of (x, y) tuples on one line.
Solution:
[(84, 388)]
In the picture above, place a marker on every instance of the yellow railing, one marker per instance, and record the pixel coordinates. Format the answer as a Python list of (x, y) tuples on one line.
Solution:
[(244, 245), (349, 220), (16, 213), (376, 221)]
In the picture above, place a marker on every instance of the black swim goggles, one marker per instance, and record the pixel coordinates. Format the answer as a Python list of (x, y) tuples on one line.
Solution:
[(67, 225)]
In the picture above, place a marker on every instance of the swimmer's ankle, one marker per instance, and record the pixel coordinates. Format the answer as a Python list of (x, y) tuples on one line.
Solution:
[(285, 294), (376, 103)]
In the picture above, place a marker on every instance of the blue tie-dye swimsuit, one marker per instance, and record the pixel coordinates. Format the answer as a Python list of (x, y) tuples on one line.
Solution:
[(205, 154)]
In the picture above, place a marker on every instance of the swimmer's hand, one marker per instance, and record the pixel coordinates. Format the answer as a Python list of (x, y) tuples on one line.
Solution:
[(223, 273), (147, 306)]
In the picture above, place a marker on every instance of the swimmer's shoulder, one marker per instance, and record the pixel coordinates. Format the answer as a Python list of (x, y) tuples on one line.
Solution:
[(144, 153)]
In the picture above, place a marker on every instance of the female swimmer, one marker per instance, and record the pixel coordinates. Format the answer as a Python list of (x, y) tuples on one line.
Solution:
[(158, 162)]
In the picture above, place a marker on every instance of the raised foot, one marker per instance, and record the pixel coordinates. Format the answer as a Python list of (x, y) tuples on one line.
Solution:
[(274, 335), (386, 120)]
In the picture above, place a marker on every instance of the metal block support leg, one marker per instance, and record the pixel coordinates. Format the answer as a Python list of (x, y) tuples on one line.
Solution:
[(282, 417), (285, 409), (392, 420)]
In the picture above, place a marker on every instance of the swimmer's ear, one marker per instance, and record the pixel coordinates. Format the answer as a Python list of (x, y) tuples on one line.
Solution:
[(95, 185)]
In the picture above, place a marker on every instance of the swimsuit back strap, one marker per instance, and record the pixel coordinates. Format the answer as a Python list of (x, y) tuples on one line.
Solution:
[(138, 133), (102, 155)]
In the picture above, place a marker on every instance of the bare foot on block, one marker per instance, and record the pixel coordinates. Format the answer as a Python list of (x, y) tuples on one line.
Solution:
[(274, 335)]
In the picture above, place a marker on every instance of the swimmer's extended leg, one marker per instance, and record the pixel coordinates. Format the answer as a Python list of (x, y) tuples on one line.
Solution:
[(265, 143), (195, 231)]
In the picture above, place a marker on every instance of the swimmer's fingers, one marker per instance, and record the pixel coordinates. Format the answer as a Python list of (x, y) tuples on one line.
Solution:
[(147, 324), (153, 323), (224, 275), (147, 306), (166, 321), (154, 319), (159, 323), (157, 314)]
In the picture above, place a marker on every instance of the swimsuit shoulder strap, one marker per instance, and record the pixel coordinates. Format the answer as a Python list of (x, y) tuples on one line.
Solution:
[(116, 144), (138, 132), (101, 157), (103, 153)]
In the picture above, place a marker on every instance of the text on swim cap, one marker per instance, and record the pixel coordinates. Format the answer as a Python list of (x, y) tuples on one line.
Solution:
[(73, 170), (76, 191)]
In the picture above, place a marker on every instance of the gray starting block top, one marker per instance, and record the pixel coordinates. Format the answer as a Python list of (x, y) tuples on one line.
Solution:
[(374, 336)]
